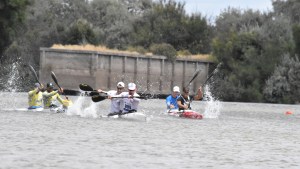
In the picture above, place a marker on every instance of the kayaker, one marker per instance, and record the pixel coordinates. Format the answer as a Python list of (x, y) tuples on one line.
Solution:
[(171, 100), (184, 100), (35, 97), (130, 103), (50, 97), (115, 107)]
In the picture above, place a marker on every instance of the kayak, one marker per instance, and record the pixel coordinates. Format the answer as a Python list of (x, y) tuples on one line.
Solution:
[(53, 110), (129, 116), (191, 114)]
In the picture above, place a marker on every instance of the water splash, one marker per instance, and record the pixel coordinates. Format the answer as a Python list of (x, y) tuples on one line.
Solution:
[(13, 78), (79, 108), (213, 106)]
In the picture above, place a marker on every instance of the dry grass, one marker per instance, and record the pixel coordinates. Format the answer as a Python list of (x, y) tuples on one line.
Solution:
[(197, 57), (90, 48), (205, 57)]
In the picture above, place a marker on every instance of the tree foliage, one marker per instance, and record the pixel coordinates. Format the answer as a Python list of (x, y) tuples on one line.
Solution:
[(11, 18), (284, 84)]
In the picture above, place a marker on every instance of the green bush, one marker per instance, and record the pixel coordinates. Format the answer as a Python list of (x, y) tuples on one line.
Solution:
[(184, 53), (139, 49), (165, 50)]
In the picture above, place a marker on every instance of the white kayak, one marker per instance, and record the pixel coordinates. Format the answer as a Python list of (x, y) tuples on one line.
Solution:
[(129, 116), (53, 110)]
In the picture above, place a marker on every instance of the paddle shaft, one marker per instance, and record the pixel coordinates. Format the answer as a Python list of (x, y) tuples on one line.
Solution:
[(101, 98), (35, 75), (194, 77), (211, 75), (56, 82)]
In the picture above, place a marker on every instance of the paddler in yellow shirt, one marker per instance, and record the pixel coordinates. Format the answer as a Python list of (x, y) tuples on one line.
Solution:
[(35, 97), (51, 97)]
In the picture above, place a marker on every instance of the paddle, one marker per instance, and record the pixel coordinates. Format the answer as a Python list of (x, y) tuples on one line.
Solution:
[(55, 80), (194, 77), (88, 88), (34, 73), (211, 75), (99, 98)]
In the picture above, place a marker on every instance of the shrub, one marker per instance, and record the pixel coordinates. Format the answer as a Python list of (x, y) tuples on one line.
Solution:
[(165, 50)]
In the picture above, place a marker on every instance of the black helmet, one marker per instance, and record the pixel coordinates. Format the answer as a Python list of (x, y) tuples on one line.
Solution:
[(49, 85)]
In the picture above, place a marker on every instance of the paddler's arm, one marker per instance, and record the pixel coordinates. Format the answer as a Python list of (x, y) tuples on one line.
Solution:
[(181, 105), (30, 93), (134, 97), (168, 102), (46, 94), (60, 99)]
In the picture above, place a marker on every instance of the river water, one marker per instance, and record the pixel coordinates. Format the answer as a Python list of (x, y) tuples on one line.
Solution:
[(232, 135)]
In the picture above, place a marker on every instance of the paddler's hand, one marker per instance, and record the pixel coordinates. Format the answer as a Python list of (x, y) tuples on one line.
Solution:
[(186, 107), (41, 87), (109, 97), (130, 96), (200, 89), (199, 94), (172, 106), (61, 90), (99, 90)]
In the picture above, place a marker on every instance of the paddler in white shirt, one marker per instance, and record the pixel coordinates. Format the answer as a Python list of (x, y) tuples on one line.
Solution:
[(129, 101), (35, 97), (115, 107)]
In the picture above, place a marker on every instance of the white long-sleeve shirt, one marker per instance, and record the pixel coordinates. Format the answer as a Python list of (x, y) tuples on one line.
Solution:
[(115, 106), (129, 104)]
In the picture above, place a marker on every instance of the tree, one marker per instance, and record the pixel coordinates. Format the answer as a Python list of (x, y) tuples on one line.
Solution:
[(81, 32), (250, 45), (296, 37), (284, 85), (164, 23), (12, 16), (289, 8)]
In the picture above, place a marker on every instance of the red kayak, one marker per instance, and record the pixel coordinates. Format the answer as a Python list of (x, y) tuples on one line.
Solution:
[(186, 114)]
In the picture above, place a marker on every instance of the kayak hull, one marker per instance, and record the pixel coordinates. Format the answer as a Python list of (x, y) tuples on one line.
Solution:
[(130, 116), (190, 114)]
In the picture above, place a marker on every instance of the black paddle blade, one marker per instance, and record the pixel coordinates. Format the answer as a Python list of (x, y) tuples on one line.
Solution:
[(93, 93), (98, 98), (85, 87)]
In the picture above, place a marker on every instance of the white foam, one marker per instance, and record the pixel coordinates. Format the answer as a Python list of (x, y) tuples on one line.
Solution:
[(213, 106), (79, 109)]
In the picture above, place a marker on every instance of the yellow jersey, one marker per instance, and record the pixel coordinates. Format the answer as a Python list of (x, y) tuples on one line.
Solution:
[(35, 98), (51, 98)]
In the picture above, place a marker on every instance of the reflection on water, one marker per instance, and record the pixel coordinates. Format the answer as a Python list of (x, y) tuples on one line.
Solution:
[(245, 135)]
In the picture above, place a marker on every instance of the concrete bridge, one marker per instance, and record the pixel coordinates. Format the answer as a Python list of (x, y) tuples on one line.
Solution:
[(152, 74)]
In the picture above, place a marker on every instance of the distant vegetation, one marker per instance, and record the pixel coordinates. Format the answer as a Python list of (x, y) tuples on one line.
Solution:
[(259, 51)]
